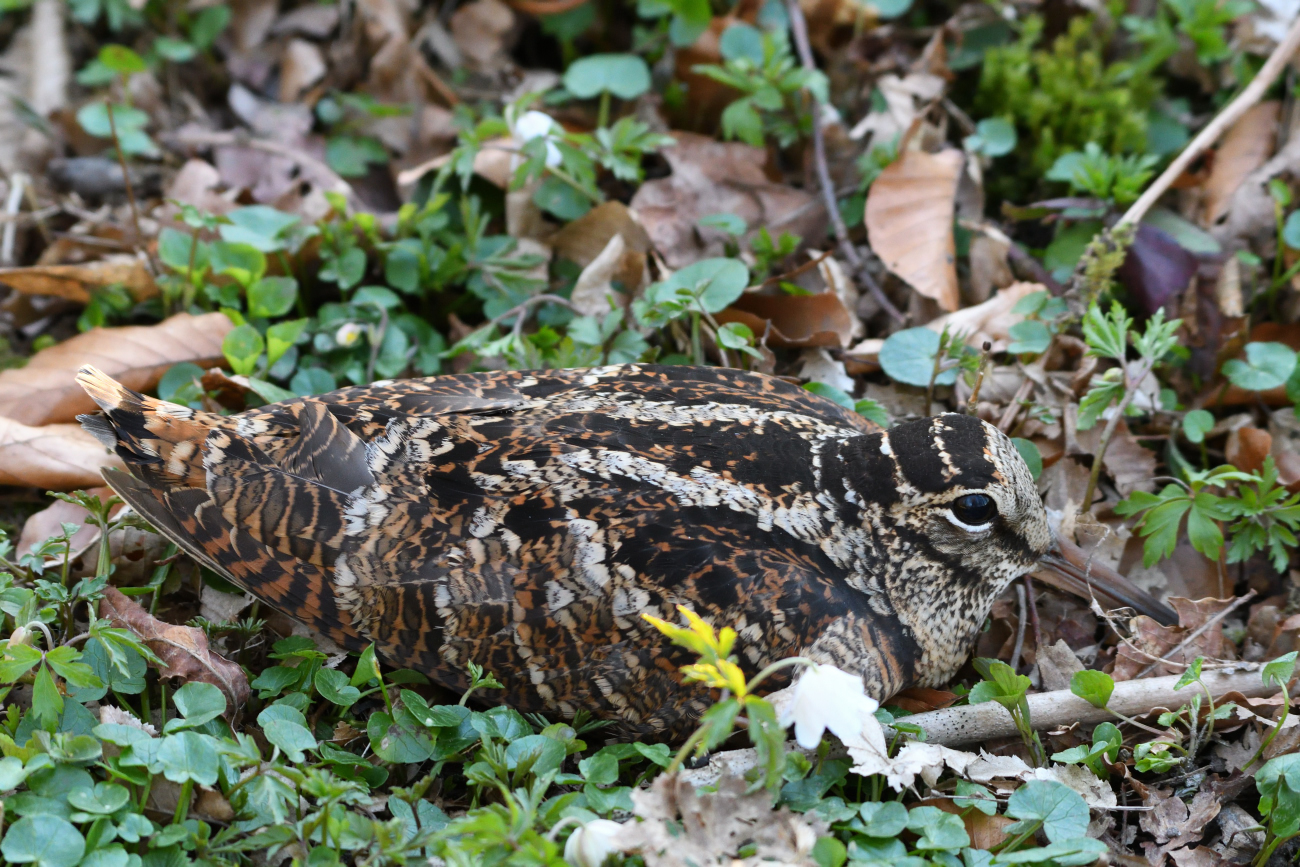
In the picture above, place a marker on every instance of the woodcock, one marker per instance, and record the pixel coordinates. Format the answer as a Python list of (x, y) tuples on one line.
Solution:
[(525, 521)]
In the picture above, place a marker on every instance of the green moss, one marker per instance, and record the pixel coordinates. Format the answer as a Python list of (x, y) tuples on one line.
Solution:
[(1063, 97)]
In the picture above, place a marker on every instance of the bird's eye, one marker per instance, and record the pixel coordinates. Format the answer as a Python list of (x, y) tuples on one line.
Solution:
[(974, 509)]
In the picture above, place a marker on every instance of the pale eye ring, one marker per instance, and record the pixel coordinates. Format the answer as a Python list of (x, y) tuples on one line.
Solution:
[(974, 510)]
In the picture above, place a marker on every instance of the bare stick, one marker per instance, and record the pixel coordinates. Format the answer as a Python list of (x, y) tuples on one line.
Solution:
[(1197, 633), (1130, 389), (799, 26), (18, 182), (1230, 114)]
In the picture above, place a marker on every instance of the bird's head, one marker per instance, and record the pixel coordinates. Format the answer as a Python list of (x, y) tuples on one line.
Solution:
[(955, 516), (958, 501)]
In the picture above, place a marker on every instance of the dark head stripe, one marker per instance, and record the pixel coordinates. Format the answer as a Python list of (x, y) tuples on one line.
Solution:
[(931, 468)]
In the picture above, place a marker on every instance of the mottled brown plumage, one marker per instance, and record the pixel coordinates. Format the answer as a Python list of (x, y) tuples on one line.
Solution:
[(526, 520)]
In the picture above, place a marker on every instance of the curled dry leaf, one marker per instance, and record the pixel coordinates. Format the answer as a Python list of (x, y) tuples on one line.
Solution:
[(909, 222), (795, 320), (1245, 148), (183, 649), (77, 282), (45, 390), (56, 457), (587, 237)]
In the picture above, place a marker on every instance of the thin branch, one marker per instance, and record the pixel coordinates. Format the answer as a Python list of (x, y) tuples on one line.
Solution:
[(799, 26), (1020, 628), (1231, 113), (1130, 389), (1197, 633)]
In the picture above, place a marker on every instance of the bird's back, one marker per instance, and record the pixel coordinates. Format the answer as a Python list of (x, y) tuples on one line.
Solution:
[(519, 520)]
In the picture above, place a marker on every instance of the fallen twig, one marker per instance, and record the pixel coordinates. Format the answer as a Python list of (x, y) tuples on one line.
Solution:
[(799, 26), (1230, 114), (981, 722)]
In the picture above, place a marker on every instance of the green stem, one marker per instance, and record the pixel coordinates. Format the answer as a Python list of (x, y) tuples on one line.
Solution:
[(773, 669), (183, 805), (568, 179), (1259, 753), (686, 749), (1130, 389), (697, 348)]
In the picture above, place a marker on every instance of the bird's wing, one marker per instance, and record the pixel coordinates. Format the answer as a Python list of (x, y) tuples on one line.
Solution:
[(523, 521)]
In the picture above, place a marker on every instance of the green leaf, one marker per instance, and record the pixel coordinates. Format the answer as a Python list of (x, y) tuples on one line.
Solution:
[(282, 335), (994, 137), (1291, 230), (1196, 424), (872, 411), (1094, 687), (242, 347), (1033, 457), (1107, 334), (536, 754), (829, 852), (624, 75), (286, 728), (889, 9), (23, 659), (1278, 672), (711, 284), (47, 702), (561, 199), (885, 819), (122, 60), (1030, 336), (937, 829), (272, 296), (600, 769), (105, 798), (199, 702), (188, 756), (1267, 366), (1191, 674), (258, 226), (732, 224), (175, 50), (908, 357), (334, 687), (402, 741), (830, 392), (46, 841), (1061, 811)]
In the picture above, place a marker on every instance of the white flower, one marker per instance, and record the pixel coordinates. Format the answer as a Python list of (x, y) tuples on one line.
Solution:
[(593, 842), (348, 334), (537, 124), (827, 698)]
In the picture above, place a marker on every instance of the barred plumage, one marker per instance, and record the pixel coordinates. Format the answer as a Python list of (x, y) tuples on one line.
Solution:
[(525, 520)]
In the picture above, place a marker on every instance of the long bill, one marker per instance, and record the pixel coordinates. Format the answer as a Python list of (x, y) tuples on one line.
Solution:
[(1068, 567)]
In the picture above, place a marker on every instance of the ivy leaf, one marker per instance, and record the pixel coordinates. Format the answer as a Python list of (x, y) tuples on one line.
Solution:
[(188, 756), (1196, 424), (43, 840), (1059, 810), (286, 728), (198, 702), (334, 687), (1279, 671), (908, 357)]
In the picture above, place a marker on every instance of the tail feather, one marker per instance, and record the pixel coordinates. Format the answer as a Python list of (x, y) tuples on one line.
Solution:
[(146, 431)]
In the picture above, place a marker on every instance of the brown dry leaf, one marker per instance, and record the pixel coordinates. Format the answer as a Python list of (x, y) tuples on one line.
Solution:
[(909, 222), (45, 391), (1247, 448), (482, 30), (918, 699), (1131, 465), (680, 827), (183, 649), (594, 289), (1246, 147), (1175, 824), (795, 320), (990, 321), (301, 65), (903, 99), (56, 457), (587, 237), (711, 177), (1198, 856), (1151, 642), (77, 282)]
